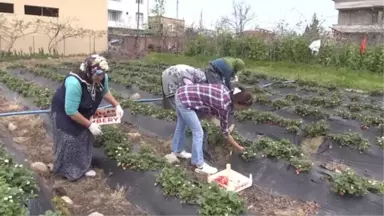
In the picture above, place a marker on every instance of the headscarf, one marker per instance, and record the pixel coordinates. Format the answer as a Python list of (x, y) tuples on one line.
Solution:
[(94, 65), (238, 65)]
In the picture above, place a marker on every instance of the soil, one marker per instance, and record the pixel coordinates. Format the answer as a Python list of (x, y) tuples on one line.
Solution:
[(93, 194), (264, 203), (88, 194)]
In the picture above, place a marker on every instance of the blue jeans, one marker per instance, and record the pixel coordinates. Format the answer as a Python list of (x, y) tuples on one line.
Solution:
[(186, 117)]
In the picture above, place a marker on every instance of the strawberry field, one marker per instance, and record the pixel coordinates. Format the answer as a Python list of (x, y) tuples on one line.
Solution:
[(319, 147)]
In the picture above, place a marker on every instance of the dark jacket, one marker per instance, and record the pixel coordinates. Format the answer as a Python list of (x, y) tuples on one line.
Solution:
[(87, 106)]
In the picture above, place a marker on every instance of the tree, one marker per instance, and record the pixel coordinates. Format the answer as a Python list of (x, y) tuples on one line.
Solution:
[(158, 11), (12, 30), (60, 30), (241, 16), (284, 29), (314, 30)]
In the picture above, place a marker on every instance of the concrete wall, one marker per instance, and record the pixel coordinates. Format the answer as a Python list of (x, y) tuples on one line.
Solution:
[(170, 26), (355, 17), (86, 14), (128, 10)]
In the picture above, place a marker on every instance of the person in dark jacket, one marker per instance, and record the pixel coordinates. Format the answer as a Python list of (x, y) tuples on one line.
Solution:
[(222, 70), (73, 104)]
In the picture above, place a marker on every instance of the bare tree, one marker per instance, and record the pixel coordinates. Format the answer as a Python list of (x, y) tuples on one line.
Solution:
[(12, 30), (241, 16), (59, 31), (158, 11)]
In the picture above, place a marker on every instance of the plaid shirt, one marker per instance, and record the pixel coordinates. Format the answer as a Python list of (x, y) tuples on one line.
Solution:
[(210, 99)]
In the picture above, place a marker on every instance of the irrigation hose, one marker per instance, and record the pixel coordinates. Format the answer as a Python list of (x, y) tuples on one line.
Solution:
[(34, 112), (144, 100)]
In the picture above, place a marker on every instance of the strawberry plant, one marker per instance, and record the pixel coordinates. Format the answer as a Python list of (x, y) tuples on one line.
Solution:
[(305, 110), (280, 103), (319, 128), (349, 183), (352, 140), (17, 186), (173, 181), (144, 160), (271, 118), (354, 98), (212, 199), (292, 97), (380, 142), (216, 201), (302, 164), (282, 149)]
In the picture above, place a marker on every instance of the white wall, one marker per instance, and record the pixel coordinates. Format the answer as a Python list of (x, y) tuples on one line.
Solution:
[(125, 11)]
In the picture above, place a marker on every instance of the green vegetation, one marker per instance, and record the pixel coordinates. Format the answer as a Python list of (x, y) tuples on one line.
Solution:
[(343, 77)]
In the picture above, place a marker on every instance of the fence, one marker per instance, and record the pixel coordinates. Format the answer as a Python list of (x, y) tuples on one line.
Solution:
[(141, 45)]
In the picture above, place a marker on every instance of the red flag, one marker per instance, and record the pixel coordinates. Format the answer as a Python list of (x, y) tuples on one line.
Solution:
[(363, 45)]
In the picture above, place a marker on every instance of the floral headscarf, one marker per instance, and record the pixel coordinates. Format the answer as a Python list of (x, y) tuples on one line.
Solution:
[(94, 65)]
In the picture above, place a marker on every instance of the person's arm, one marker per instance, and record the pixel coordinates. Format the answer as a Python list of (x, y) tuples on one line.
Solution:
[(224, 124), (72, 101), (107, 94)]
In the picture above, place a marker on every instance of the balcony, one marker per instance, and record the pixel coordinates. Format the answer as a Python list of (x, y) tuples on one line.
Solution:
[(358, 4), (359, 28)]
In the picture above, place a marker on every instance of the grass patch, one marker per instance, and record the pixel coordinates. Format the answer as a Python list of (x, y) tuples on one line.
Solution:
[(343, 77)]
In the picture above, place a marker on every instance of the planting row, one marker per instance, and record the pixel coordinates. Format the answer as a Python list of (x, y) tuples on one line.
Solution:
[(212, 200), (312, 130), (117, 148), (314, 106), (17, 187)]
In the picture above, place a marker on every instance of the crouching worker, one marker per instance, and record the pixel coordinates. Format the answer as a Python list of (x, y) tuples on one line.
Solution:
[(222, 70), (73, 104), (209, 99), (176, 76)]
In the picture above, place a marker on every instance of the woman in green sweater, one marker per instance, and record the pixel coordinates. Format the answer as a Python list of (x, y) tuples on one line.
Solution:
[(222, 70), (73, 104)]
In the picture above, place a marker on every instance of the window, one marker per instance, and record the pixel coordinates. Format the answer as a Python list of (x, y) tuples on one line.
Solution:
[(6, 8), (170, 27), (114, 15), (380, 18), (41, 11), (139, 1), (140, 17)]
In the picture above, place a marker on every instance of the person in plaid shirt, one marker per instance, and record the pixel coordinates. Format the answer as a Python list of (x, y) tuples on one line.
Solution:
[(208, 100)]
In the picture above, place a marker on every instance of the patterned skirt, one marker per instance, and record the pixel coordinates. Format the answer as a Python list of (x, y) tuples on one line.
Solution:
[(72, 154)]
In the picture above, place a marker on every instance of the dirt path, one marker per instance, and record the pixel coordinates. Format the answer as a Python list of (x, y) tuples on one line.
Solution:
[(88, 194)]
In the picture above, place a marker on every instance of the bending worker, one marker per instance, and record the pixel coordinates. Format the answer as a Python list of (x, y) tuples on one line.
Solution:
[(209, 99), (222, 70), (176, 76), (73, 104)]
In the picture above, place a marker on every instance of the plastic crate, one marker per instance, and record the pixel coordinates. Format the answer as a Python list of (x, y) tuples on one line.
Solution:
[(235, 181)]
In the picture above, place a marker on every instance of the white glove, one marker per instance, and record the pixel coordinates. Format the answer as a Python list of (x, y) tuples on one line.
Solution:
[(119, 111), (95, 129)]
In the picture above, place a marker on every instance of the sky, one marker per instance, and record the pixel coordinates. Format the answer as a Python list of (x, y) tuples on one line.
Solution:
[(267, 13)]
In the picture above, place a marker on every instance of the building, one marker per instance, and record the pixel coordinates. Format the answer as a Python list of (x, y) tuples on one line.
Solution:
[(127, 13), (360, 18), (168, 26), (66, 27), (258, 32)]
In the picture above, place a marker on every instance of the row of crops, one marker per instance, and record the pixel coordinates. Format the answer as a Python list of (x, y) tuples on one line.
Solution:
[(302, 98), (17, 187)]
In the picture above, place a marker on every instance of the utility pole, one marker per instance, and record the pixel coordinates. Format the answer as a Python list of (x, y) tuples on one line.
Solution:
[(138, 14), (177, 9)]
